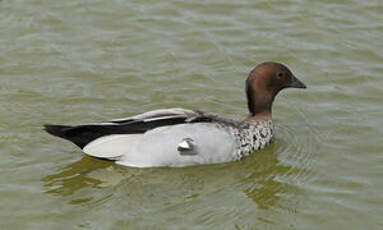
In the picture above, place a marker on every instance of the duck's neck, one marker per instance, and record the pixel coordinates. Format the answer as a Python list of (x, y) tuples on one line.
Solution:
[(259, 105), (259, 116)]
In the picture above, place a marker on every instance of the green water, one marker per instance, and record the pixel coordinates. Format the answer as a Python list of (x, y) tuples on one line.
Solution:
[(71, 62)]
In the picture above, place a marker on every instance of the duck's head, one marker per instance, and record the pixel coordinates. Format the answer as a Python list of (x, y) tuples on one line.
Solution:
[(264, 83)]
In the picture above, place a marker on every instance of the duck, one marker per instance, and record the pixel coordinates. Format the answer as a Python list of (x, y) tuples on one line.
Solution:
[(178, 137)]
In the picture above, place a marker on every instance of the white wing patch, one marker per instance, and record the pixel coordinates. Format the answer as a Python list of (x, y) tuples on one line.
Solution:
[(187, 147), (159, 114), (184, 145), (162, 118), (112, 147)]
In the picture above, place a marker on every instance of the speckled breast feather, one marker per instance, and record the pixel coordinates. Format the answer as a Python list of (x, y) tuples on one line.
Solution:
[(250, 136)]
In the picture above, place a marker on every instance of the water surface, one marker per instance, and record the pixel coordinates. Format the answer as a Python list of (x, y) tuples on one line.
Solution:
[(84, 61)]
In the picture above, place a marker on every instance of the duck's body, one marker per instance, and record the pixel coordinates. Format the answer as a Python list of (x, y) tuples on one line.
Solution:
[(181, 137), (169, 137)]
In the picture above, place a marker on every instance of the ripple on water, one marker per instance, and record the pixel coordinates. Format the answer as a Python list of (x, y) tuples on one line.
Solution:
[(74, 61), (297, 146)]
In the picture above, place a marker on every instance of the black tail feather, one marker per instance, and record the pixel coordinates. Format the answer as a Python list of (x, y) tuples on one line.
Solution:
[(83, 134), (71, 133), (63, 131), (57, 130)]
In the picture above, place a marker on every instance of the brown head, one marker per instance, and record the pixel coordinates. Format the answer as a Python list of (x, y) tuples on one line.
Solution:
[(264, 83)]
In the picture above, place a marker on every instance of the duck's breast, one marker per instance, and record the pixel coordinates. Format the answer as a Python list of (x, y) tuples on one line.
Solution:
[(206, 142)]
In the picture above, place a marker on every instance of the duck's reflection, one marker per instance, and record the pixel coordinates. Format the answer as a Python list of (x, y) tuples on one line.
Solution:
[(264, 183), (74, 176)]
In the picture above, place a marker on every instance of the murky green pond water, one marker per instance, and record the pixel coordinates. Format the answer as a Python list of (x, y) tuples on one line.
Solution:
[(81, 61)]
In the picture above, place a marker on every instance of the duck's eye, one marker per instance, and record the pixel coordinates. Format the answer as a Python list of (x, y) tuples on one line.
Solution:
[(280, 74)]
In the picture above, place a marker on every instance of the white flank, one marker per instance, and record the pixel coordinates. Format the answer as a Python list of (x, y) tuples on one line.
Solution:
[(111, 147)]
